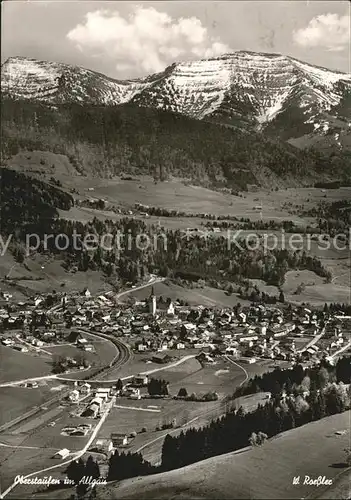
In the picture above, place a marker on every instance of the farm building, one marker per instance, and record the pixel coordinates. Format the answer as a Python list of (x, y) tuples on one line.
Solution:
[(32, 385), (140, 380), (104, 445), (103, 393), (7, 342), (249, 361), (119, 439), (37, 342), (161, 358), (98, 401), (203, 357), (92, 411), (21, 348), (62, 454), (76, 337)]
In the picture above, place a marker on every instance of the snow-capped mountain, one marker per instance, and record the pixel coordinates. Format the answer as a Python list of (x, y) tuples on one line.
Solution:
[(279, 94), (50, 82)]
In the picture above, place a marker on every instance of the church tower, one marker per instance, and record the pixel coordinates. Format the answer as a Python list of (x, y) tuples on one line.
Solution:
[(152, 302)]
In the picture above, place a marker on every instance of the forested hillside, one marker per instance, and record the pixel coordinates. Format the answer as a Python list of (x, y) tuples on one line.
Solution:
[(25, 201), (105, 141)]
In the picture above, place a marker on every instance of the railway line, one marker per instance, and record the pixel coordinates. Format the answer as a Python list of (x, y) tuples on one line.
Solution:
[(122, 357)]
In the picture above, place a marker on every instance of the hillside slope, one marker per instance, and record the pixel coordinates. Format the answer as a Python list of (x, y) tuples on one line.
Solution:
[(263, 472), (105, 141)]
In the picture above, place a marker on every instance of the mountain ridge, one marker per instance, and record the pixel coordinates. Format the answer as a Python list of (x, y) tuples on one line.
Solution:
[(277, 94)]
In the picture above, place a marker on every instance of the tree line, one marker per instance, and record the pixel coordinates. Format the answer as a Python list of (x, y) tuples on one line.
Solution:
[(297, 379)]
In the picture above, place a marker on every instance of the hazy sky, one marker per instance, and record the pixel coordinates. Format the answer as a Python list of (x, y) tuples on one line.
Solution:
[(129, 39)]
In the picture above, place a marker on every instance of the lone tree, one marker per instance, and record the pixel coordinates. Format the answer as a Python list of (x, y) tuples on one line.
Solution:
[(119, 385), (92, 468), (261, 438), (182, 393), (348, 455), (253, 439), (257, 439)]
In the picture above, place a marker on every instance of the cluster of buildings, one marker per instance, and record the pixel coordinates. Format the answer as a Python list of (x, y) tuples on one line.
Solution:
[(157, 325), (102, 398), (290, 333)]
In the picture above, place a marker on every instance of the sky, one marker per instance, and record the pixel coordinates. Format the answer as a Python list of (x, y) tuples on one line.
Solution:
[(133, 39)]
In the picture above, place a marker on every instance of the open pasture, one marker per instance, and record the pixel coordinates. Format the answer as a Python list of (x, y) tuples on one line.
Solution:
[(22, 461), (141, 363), (182, 413), (312, 450), (15, 365), (175, 195), (206, 296), (104, 351), (312, 289), (42, 274), (17, 400)]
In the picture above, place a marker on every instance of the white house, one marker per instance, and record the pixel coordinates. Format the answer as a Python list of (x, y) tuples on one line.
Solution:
[(37, 342), (242, 316), (88, 347), (170, 309), (74, 396), (103, 390), (85, 388), (81, 341), (135, 395)]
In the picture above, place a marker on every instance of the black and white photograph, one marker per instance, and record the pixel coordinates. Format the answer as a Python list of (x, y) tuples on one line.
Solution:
[(175, 250)]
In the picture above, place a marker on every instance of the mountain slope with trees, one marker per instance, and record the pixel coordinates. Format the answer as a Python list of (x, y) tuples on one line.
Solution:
[(105, 141)]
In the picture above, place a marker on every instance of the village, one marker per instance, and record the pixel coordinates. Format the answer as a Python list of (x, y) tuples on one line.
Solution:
[(121, 374), (159, 326)]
